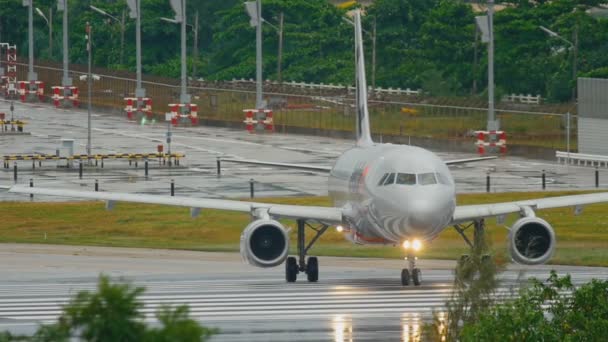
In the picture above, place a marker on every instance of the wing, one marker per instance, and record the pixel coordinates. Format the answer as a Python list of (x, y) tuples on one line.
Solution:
[(307, 167), (324, 214), (472, 212), (468, 160)]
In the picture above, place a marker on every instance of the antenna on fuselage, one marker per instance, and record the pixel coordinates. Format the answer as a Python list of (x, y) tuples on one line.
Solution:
[(364, 137)]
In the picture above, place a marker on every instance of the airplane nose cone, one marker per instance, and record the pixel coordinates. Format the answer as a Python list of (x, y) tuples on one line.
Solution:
[(422, 216)]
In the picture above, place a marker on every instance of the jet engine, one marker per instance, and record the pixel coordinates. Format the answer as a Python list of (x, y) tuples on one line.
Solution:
[(531, 241), (264, 243)]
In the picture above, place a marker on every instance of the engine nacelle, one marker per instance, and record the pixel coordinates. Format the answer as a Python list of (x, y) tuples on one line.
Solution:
[(264, 243), (531, 241)]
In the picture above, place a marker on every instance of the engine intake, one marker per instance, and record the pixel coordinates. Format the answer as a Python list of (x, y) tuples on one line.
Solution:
[(532, 241), (264, 243)]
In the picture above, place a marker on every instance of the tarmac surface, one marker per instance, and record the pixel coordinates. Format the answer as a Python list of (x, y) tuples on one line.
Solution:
[(197, 175), (355, 299)]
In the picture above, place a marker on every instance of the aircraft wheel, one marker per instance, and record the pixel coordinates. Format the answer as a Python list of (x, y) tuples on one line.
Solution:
[(417, 276), (312, 269), (291, 269), (405, 277)]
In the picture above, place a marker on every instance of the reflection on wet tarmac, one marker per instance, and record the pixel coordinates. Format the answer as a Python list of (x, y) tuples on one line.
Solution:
[(343, 328)]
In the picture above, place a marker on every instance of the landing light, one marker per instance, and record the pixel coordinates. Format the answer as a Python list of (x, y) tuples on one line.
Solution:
[(339, 229), (417, 245)]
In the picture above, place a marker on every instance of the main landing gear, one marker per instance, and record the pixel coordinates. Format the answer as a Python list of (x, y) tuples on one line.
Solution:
[(294, 266), (478, 246), (411, 273)]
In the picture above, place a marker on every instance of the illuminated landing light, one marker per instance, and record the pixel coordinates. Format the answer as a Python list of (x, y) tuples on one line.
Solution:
[(339, 229), (417, 245)]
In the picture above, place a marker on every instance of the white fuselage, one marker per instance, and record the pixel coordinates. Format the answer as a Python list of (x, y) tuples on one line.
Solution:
[(393, 193)]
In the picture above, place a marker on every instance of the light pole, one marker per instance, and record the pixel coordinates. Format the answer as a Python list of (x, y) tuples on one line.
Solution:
[(179, 7), (254, 9), (66, 81), (89, 84), (485, 24), (49, 22), (121, 23), (31, 75), (493, 124), (573, 46), (195, 30), (280, 57)]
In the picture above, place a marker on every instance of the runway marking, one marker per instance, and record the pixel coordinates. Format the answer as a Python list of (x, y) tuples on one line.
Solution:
[(231, 300)]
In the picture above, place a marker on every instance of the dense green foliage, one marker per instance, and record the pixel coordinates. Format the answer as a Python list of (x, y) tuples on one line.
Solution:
[(429, 44), (555, 311), (113, 313)]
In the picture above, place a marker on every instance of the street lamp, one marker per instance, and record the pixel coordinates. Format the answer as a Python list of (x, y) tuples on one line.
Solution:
[(120, 22), (195, 48), (574, 47), (179, 7), (254, 9), (279, 31), (49, 22)]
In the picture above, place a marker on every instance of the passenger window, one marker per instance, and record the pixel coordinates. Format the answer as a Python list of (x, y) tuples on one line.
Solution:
[(406, 178), (390, 179), (427, 178), (382, 179)]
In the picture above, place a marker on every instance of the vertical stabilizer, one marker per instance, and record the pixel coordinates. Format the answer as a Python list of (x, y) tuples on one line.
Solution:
[(364, 137)]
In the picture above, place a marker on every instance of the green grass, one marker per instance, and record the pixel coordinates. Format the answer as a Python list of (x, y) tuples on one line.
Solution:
[(582, 240)]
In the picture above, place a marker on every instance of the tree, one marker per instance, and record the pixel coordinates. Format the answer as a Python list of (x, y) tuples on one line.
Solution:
[(113, 313), (547, 312)]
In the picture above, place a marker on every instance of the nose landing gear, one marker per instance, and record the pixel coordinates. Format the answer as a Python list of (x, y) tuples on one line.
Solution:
[(294, 266), (412, 273)]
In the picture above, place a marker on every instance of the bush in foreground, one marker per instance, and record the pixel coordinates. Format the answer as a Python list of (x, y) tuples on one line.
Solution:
[(555, 311), (113, 313)]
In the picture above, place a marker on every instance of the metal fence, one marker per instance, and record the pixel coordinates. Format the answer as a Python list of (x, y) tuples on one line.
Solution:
[(420, 117)]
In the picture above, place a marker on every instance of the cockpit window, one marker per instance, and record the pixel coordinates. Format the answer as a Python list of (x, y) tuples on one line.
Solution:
[(427, 178), (406, 178), (390, 179), (443, 179), (382, 179)]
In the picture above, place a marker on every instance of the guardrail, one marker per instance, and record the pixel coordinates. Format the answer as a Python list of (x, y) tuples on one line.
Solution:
[(331, 86), (521, 98), (581, 159)]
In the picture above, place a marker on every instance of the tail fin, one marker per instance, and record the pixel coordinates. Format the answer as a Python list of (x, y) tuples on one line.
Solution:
[(364, 137)]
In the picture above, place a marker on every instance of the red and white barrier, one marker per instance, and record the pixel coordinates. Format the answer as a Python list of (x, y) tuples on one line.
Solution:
[(31, 88), (70, 93), (9, 81), (184, 110), (264, 118), (138, 104), (495, 139)]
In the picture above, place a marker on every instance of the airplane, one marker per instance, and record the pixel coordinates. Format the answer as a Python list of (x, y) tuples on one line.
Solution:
[(383, 194)]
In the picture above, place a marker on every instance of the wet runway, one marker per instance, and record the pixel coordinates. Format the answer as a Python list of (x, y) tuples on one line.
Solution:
[(197, 175), (355, 300)]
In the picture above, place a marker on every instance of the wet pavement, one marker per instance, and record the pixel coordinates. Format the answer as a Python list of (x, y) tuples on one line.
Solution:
[(356, 299), (197, 175)]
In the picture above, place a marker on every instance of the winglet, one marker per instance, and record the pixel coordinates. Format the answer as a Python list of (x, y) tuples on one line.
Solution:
[(364, 137)]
